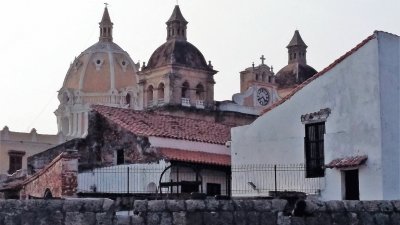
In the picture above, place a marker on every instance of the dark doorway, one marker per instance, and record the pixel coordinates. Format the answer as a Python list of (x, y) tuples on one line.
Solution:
[(352, 191), (120, 157), (213, 189)]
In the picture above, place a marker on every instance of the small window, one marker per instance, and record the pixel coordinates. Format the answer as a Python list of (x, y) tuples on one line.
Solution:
[(150, 95), (15, 161), (128, 99), (314, 149), (200, 92), (185, 90), (213, 189), (120, 157), (294, 55), (161, 91)]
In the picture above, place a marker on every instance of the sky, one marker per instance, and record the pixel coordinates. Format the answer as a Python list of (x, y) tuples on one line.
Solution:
[(39, 40)]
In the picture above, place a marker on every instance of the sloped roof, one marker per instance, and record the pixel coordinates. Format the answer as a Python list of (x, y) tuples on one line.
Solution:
[(146, 123), (319, 74), (195, 156), (177, 15), (348, 162), (296, 40)]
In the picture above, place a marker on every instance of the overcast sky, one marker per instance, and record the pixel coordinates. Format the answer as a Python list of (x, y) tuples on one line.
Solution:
[(39, 39)]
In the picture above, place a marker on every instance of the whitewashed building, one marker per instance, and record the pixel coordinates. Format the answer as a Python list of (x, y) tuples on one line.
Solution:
[(343, 124)]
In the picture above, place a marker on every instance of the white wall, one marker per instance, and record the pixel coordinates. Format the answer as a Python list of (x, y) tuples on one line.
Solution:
[(352, 90)]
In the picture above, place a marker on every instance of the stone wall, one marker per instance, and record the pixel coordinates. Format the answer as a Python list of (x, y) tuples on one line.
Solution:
[(57, 212), (197, 212), (59, 177)]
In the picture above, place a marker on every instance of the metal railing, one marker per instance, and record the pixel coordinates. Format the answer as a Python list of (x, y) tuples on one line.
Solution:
[(245, 180), (267, 179)]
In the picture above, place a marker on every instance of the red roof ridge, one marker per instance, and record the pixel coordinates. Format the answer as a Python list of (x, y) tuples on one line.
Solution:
[(322, 72), (195, 156)]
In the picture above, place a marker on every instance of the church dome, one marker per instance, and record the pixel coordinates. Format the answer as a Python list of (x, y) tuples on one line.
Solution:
[(294, 73), (103, 67), (179, 52)]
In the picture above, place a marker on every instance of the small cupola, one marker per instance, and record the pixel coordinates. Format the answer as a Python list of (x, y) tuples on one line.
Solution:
[(176, 25), (106, 27), (297, 49)]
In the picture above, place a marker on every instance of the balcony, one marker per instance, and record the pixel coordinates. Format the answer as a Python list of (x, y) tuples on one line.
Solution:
[(200, 104), (186, 102)]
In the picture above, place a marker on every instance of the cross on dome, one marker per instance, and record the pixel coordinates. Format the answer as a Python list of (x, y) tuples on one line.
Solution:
[(262, 59)]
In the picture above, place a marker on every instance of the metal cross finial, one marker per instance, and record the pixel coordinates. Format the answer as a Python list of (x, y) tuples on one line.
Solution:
[(106, 4), (262, 59)]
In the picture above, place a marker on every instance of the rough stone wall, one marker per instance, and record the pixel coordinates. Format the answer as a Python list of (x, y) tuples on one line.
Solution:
[(57, 212), (260, 212), (197, 212), (60, 177)]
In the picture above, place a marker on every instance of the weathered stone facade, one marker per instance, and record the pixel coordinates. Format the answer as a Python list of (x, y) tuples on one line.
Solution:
[(197, 212), (58, 178)]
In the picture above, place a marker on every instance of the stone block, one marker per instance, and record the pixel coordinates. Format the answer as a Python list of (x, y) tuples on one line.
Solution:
[(195, 205), (153, 218), (353, 206), (175, 205), (382, 219), (278, 205), (27, 219), (226, 218), (297, 221), (166, 218), (243, 205), (194, 218), (104, 219), (353, 218), (73, 205), (93, 205), (283, 220), (319, 218), (396, 205), (315, 206), (240, 217), (212, 204), (108, 205), (366, 218), (395, 218), (227, 205), (137, 220), (253, 218), (385, 206), (140, 205), (156, 206), (268, 218), (262, 205), (211, 218), (335, 206), (371, 206), (179, 218), (340, 218)]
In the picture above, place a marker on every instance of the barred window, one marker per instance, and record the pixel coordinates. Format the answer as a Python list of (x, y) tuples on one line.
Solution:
[(314, 149)]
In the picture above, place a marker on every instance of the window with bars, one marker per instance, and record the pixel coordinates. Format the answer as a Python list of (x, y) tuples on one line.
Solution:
[(15, 161), (314, 149)]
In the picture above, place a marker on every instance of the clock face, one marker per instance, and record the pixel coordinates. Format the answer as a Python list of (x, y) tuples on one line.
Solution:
[(262, 96)]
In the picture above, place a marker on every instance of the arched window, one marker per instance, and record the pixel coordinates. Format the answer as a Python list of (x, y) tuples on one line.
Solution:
[(257, 76), (264, 77), (150, 95), (200, 92), (128, 99), (185, 90), (160, 93)]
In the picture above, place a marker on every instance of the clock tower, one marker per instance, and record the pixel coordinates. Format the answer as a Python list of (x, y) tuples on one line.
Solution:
[(257, 86)]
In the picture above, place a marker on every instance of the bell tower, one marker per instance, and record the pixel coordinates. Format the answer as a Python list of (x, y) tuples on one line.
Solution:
[(297, 50), (176, 25), (106, 27)]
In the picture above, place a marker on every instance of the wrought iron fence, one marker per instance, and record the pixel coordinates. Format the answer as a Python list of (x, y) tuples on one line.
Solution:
[(266, 179), (245, 180)]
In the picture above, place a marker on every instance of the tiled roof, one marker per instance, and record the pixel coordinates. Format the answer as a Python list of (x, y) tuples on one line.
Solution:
[(352, 161), (146, 123), (196, 157), (301, 86)]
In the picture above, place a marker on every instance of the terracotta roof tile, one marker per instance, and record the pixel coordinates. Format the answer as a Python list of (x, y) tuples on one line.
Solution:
[(145, 123), (336, 62), (347, 162), (196, 157)]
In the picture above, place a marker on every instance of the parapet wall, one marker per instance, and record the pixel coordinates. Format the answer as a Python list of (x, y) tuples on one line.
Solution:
[(197, 212)]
